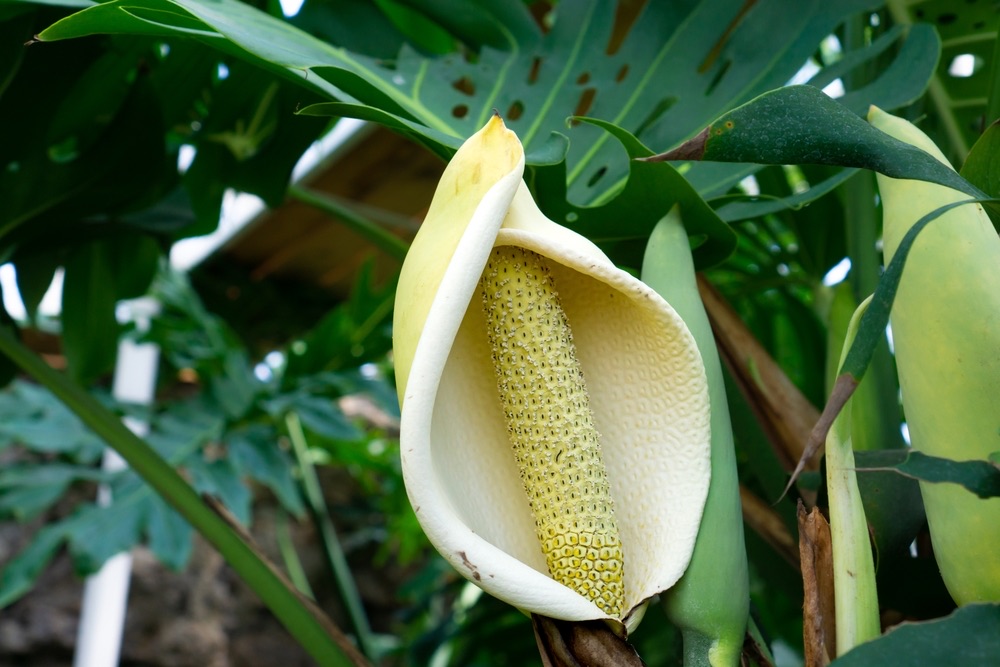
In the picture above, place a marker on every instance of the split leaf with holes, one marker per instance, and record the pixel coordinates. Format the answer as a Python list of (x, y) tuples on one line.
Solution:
[(661, 74)]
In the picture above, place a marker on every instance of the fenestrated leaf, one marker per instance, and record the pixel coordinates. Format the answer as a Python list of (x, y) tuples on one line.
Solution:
[(356, 25), (980, 477), (958, 104), (802, 125), (969, 636), (478, 23), (679, 66), (905, 78), (744, 208), (420, 31), (649, 190)]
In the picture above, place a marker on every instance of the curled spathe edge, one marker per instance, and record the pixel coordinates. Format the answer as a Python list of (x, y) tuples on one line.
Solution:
[(648, 392)]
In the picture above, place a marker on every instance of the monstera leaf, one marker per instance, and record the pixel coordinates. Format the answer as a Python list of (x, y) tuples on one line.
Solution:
[(966, 73), (662, 78)]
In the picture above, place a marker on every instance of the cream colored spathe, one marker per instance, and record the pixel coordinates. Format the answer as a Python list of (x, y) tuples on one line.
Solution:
[(643, 371)]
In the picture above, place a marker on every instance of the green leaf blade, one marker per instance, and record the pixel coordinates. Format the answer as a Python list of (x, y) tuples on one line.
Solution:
[(980, 477), (969, 636), (802, 125)]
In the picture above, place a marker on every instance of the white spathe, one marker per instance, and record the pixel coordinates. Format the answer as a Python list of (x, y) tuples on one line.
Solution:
[(643, 371)]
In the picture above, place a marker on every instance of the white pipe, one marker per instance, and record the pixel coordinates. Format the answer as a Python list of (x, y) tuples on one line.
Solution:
[(105, 593)]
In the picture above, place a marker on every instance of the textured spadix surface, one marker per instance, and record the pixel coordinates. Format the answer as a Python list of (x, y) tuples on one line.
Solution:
[(644, 377)]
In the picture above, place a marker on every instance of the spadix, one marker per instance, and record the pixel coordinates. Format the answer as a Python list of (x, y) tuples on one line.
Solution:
[(555, 415)]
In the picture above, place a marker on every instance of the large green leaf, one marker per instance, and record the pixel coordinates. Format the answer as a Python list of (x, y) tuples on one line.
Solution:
[(801, 125), (98, 275), (969, 636), (980, 477), (959, 91), (982, 168), (250, 140), (680, 66), (64, 162)]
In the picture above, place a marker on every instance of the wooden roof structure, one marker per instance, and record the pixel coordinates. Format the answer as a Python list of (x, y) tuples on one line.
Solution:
[(380, 175)]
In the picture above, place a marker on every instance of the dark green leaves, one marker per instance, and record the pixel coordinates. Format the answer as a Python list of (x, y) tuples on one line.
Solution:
[(893, 506), (320, 415), (980, 477), (982, 168), (966, 94), (98, 275), (90, 330), (969, 636), (801, 125), (649, 190), (678, 67), (249, 140)]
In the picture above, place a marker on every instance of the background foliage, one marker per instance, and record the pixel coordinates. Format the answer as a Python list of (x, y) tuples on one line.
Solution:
[(89, 182)]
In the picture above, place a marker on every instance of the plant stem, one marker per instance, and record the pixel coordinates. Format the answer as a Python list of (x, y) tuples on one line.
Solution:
[(291, 557), (855, 593), (711, 602), (328, 534), (314, 631)]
